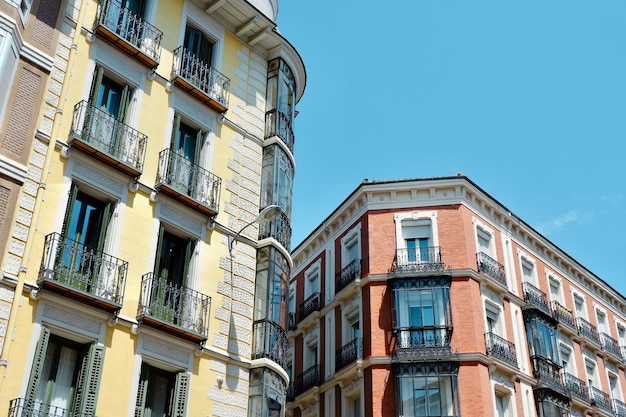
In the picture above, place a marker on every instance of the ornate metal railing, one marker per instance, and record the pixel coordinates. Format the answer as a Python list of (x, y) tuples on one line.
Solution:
[(174, 304), (277, 124), (20, 407), (500, 348), (279, 229), (74, 265), (131, 27), (610, 345), (622, 349), (349, 273), (270, 341), (106, 134), (491, 267), (416, 338), (619, 408), (182, 175), (576, 387), (348, 353), (601, 399), (563, 315), (548, 372), (206, 79), (587, 330), (536, 297), (426, 259), (308, 306), (307, 379)]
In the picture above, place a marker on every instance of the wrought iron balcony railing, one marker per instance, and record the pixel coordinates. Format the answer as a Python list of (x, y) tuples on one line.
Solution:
[(601, 399), (491, 267), (587, 330), (426, 259), (349, 273), (270, 341), (116, 22), (308, 379), (277, 124), (279, 229), (535, 297), (500, 348), (548, 372), (308, 306), (100, 134), (348, 353), (619, 408), (173, 308), (188, 182), (563, 315), (576, 387), (422, 340), (20, 407), (80, 271), (610, 345), (200, 79), (622, 349)]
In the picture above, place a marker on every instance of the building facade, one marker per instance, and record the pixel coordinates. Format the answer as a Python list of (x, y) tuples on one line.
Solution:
[(139, 277), (427, 297)]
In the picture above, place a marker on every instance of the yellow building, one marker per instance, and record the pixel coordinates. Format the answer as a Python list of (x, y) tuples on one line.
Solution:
[(147, 227)]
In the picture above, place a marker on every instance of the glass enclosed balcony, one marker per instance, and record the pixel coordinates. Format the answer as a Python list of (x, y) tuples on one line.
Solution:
[(200, 80), (101, 135), (348, 353), (187, 182), (424, 259), (127, 31), (270, 341), (277, 124), (279, 229), (348, 274), (500, 348), (83, 273), (413, 342), (173, 308), (308, 306), (491, 268), (536, 298)]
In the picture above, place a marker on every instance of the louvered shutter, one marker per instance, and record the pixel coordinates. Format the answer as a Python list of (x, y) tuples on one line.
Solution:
[(104, 225), (95, 86), (68, 210), (88, 381), (181, 394), (142, 389), (37, 368)]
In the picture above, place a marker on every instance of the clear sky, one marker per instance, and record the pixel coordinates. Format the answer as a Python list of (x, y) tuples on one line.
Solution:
[(528, 99)]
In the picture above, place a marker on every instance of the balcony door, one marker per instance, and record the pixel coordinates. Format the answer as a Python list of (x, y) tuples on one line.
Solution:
[(161, 393), (199, 45), (185, 146), (417, 235)]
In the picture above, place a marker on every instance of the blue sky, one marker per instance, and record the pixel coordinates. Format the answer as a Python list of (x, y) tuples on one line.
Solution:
[(528, 99)]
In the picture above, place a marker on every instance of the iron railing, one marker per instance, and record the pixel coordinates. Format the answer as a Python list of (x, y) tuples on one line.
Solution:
[(348, 273), (576, 387), (427, 259), (601, 399), (278, 124), (307, 379), (308, 306), (198, 73), (184, 176), (587, 330), (619, 408), (610, 345), (622, 349), (131, 27), (417, 338), (279, 229), (491, 267), (563, 315), (548, 372), (348, 353), (535, 297), (270, 341), (103, 132), (500, 348), (75, 265), (174, 304), (20, 407)]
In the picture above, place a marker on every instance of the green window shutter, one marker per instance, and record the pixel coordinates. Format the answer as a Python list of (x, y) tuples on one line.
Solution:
[(188, 252), (157, 261), (37, 369), (95, 86), (181, 394), (106, 219), (175, 129), (124, 102), (142, 390), (88, 381), (69, 209)]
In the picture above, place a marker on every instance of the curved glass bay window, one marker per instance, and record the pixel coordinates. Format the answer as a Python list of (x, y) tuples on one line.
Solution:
[(422, 313), (270, 305), (427, 389), (267, 393), (280, 102)]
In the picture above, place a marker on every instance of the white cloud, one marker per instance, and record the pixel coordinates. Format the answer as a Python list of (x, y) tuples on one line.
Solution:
[(558, 223)]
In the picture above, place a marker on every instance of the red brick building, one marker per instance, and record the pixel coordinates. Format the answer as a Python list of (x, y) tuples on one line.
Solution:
[(427, 297)]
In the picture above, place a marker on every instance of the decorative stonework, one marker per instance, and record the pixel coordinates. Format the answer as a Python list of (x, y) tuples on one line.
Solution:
[(98, 178), (166, 351), (73, 321), (180, 219)]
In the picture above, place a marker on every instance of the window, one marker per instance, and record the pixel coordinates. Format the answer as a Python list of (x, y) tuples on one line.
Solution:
[(602, 325), (485, 242), (567, 361), (351, 250), (502, 404), (355, 409), (592, 377), (161, 393), (199, 44), (312, 281), (616, 392), (277, 181), (65, 376), (25, 6), (528, 271), (492, 314), (417, 237), (579, 306), (8, 64), (280, 90), (555, 289), (427, 389)]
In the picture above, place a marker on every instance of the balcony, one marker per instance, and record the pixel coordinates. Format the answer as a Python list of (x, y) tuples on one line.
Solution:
[(270, 341), (536, 298), (107, 139), (622, 349), (278, 124), (619, 408), (588, 330), (575, 387), (279, 229), (189, 183), (308, 379), (601, 399), (416, 342), (427, 259), (200, 80), (174, 309), (500, 348), (548, 373), (611, 346), (308, 306), (20, 407), (128, 32), (82, 273), (349, 273), (348, 353), (491, 267), (563, 315)]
